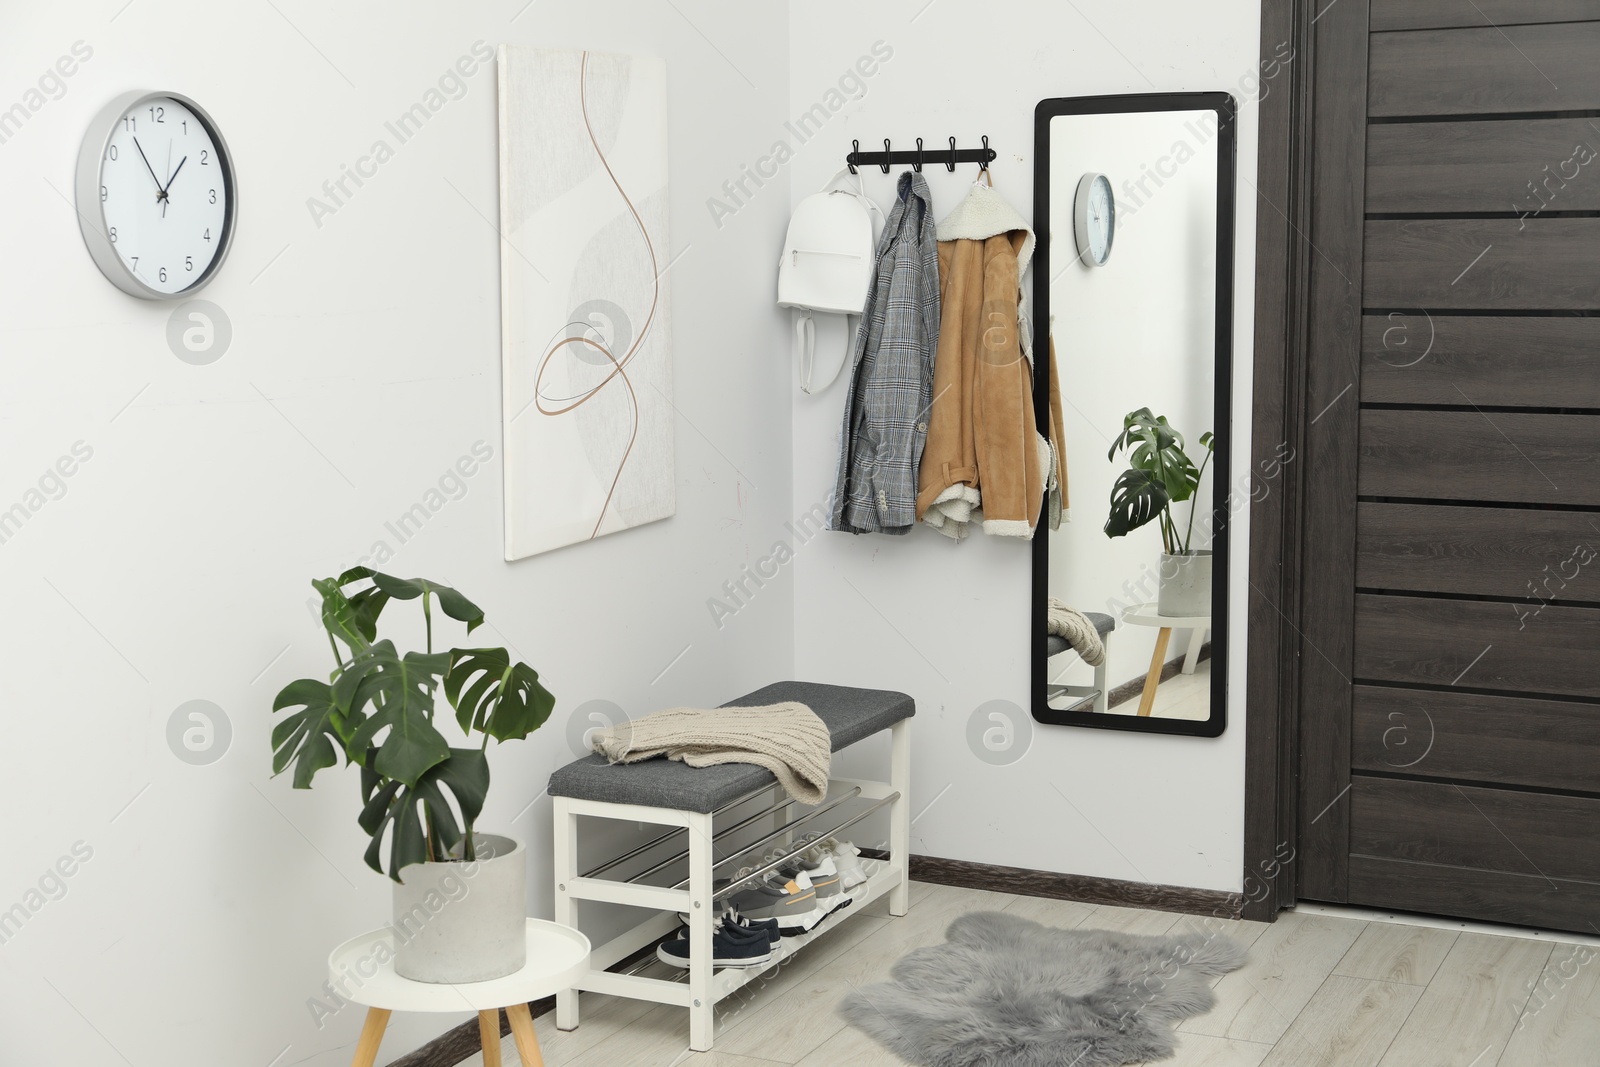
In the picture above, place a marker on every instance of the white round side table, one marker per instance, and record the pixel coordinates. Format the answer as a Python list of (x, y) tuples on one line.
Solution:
[(557, 956), (1147, 615)]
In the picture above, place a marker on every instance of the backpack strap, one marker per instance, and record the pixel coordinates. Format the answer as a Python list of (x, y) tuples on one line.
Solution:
[(805, 346)]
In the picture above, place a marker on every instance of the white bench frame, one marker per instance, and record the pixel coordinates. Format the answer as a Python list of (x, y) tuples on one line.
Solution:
[(706, 986), (1100, 690)]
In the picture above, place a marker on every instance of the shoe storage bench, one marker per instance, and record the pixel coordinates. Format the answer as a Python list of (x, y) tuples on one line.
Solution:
[(688, 801)]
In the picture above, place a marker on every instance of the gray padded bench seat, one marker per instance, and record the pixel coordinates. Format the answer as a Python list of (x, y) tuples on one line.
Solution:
[(1103, 624), (850, 715)]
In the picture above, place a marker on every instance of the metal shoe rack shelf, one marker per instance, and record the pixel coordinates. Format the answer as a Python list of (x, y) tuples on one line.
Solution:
[(711, 846)]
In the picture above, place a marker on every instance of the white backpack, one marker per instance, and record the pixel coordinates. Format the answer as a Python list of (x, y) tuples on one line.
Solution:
[(827, 265)]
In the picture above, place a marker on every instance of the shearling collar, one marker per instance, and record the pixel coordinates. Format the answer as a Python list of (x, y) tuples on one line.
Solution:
[(981, 215)]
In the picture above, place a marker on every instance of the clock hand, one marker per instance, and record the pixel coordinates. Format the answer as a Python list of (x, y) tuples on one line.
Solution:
[(174, 174), (161, 192)]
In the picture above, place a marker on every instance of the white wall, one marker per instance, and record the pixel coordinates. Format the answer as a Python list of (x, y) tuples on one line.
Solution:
[(1139, 331), (173, 564), (950, 623)]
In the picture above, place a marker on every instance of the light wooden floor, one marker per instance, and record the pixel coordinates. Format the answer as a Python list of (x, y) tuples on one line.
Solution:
[(1183, 696), (1318, 991)]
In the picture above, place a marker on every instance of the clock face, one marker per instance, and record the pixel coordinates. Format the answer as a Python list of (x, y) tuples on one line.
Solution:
[(165, 195), (1094, 220), (1102, 219)]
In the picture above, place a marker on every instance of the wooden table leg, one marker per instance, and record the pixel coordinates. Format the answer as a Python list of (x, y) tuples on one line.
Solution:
[(522, 1031), (371, 1037), (489, 1032), (1158, 660)]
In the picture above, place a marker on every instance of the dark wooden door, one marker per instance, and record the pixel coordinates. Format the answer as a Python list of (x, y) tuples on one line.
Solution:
[(1450, 614)]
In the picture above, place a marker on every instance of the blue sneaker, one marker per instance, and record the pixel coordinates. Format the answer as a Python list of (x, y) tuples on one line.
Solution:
[(731, 946), (744, 922)]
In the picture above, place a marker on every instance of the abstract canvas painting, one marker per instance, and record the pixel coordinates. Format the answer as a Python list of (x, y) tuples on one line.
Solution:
[(586, 361)]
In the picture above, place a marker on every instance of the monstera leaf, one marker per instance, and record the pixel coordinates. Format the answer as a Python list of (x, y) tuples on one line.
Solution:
[(312, 737), (490, 693), (1136, 498), (417, 816), (451, 602), (400, 691), (366, 604), (1157, 449), (339, 616)]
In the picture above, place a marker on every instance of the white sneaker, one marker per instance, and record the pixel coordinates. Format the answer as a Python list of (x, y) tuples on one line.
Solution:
[(847, 859)]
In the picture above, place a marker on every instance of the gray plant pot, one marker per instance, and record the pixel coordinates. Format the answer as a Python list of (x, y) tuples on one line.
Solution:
[(463, 922), (1185, 584)]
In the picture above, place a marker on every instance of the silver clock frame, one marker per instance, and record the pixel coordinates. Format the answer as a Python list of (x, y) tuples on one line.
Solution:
[(1080, 220), (91, 212)]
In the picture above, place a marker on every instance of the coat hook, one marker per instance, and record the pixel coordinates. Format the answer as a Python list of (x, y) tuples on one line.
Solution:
[(855, 150), (885, 155), (918, 164), (951, 165), (983, 166)]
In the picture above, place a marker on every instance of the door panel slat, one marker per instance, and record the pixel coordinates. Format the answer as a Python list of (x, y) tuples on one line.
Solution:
[(1475, 455), (1510, 360), (1524, 165), (1486, 70), (1430, 14), (1539, 744), (1491, 896), (1537, 556), (1504, 830), (1544, 264), (1478, 645)]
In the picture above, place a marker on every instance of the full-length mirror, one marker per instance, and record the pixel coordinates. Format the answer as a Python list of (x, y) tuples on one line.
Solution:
[(1134, 204)]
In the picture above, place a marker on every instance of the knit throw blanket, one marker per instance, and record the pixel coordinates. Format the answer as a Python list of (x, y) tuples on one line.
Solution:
[(1077, 629), (787, 739)]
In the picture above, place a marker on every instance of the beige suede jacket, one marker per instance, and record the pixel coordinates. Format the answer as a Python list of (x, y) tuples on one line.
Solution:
[(983, 452)]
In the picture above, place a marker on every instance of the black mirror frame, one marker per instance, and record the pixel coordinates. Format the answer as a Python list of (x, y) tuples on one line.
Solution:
[(1226, 109)]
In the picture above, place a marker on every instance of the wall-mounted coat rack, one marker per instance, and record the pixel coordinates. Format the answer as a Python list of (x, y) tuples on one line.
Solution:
[(948, 156)]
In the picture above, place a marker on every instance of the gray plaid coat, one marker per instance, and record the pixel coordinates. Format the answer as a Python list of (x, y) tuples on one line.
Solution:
[(891, 380)]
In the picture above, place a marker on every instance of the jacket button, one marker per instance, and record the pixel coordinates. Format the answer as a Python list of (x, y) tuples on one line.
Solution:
[(922, 427)]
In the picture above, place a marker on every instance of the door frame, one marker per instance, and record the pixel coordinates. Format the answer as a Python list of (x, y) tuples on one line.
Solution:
[(1278, 393)]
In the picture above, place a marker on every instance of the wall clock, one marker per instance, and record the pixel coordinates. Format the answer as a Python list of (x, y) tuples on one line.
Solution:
[(156, 195), (1094, 219)]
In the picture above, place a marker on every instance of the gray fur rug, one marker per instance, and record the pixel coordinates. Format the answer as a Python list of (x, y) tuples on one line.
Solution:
[(1006, 992)]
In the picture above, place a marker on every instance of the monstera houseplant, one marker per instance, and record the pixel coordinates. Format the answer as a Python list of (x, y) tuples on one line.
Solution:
[(458, 895), (1159, 475)]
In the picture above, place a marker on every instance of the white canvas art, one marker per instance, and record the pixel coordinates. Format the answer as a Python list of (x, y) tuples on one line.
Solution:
[(586, 361)]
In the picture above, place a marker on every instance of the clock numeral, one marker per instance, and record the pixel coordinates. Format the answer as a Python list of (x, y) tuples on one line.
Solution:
[(162, 274), (158, 114), (129, 122), (188, 263), (102, 194), (207, 235), (135, 264), (205, 158), (111, 153), (113, 235), (185, 125), (213, 196)]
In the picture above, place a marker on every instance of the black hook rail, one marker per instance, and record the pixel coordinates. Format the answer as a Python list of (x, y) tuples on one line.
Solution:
[(948, 156)]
